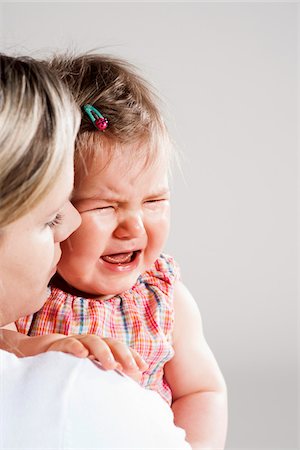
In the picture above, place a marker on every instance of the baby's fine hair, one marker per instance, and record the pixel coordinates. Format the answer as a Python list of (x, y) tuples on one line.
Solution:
[(115, 88), (38, 125)]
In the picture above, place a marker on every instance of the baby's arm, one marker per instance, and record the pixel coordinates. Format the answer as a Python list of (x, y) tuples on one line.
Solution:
[(198, 388), (111, 353)]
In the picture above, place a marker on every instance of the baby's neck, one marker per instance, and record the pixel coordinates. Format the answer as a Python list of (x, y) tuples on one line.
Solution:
[(58, 282)]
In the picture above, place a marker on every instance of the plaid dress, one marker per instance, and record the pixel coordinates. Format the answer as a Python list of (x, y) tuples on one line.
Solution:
[(141, 317)]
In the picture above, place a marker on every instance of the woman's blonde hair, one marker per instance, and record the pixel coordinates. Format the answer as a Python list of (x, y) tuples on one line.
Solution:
[(115, 88), (38, 125)]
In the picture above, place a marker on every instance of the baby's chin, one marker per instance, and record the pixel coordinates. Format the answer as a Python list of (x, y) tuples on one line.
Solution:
[(112, 289), (100, 286), (105, 292), (68, 286)]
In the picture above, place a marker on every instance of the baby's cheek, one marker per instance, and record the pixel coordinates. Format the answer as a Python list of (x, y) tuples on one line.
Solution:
[(159, 235), (67, 247), (164, 226)]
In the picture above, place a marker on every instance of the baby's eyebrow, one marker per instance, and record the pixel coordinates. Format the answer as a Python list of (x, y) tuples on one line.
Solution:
[(95, 197), (109, 196), (159, 193), (102, 194)]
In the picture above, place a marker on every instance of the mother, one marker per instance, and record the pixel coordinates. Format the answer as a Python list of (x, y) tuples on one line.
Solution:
[(53, 400)]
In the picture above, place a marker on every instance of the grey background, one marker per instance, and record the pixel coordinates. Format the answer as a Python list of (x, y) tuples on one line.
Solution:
[(227, 73)]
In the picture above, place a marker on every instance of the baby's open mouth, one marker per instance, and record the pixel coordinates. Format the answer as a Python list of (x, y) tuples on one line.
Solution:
[(121, 258)]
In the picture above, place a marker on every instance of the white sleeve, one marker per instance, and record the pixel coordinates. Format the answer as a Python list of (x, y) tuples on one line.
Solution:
[(56, 401), (107, 410)]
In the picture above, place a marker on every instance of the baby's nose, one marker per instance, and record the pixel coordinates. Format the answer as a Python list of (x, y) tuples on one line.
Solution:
[(130, 227)]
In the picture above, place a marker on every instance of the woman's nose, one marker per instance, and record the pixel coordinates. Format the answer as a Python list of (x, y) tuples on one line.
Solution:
[(71, 221), (130, 227)]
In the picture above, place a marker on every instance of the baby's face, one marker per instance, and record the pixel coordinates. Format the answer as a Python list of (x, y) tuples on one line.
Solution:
[(125, 224)]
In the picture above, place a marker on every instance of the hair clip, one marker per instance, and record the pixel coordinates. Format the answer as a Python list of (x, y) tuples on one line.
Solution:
[(100, 122)]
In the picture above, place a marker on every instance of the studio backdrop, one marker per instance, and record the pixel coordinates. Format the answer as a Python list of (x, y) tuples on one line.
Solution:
[(227, 76)]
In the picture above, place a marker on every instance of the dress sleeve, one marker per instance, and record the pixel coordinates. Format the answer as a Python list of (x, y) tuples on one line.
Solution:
[(160, 280), (164, 273), (23, 325)]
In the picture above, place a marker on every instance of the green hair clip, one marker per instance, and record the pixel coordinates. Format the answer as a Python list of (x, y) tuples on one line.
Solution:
[(95, 116)]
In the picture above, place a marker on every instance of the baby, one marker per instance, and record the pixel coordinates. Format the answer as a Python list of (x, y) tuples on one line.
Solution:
[(113, 279)]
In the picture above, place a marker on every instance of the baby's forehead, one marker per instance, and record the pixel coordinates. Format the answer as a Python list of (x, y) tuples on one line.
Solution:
[(109, 179), (123, 191), (121, 170), (99, 156)]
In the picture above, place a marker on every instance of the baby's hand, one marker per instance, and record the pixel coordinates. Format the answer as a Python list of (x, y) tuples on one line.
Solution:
[(112, 354)]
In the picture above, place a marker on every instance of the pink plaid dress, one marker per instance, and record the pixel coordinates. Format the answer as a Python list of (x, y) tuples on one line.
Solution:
[(142, 317)]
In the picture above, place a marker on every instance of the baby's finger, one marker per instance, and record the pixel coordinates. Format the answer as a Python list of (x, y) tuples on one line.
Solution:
[(140, 362), (123, 355), (99, 350), (135, 375)]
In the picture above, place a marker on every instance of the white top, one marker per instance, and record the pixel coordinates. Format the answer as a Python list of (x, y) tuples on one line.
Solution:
[(57, 401)]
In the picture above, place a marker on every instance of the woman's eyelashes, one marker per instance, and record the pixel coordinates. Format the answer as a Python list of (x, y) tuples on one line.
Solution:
[(56, 221)]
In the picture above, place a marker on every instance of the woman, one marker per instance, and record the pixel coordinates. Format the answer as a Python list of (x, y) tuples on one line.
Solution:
[(53, 400)]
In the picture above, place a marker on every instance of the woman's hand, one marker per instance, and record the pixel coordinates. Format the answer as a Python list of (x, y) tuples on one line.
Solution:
[(112, 354)]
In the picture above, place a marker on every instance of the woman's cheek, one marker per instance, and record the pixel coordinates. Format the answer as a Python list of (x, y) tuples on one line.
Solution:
[(43, 247)]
